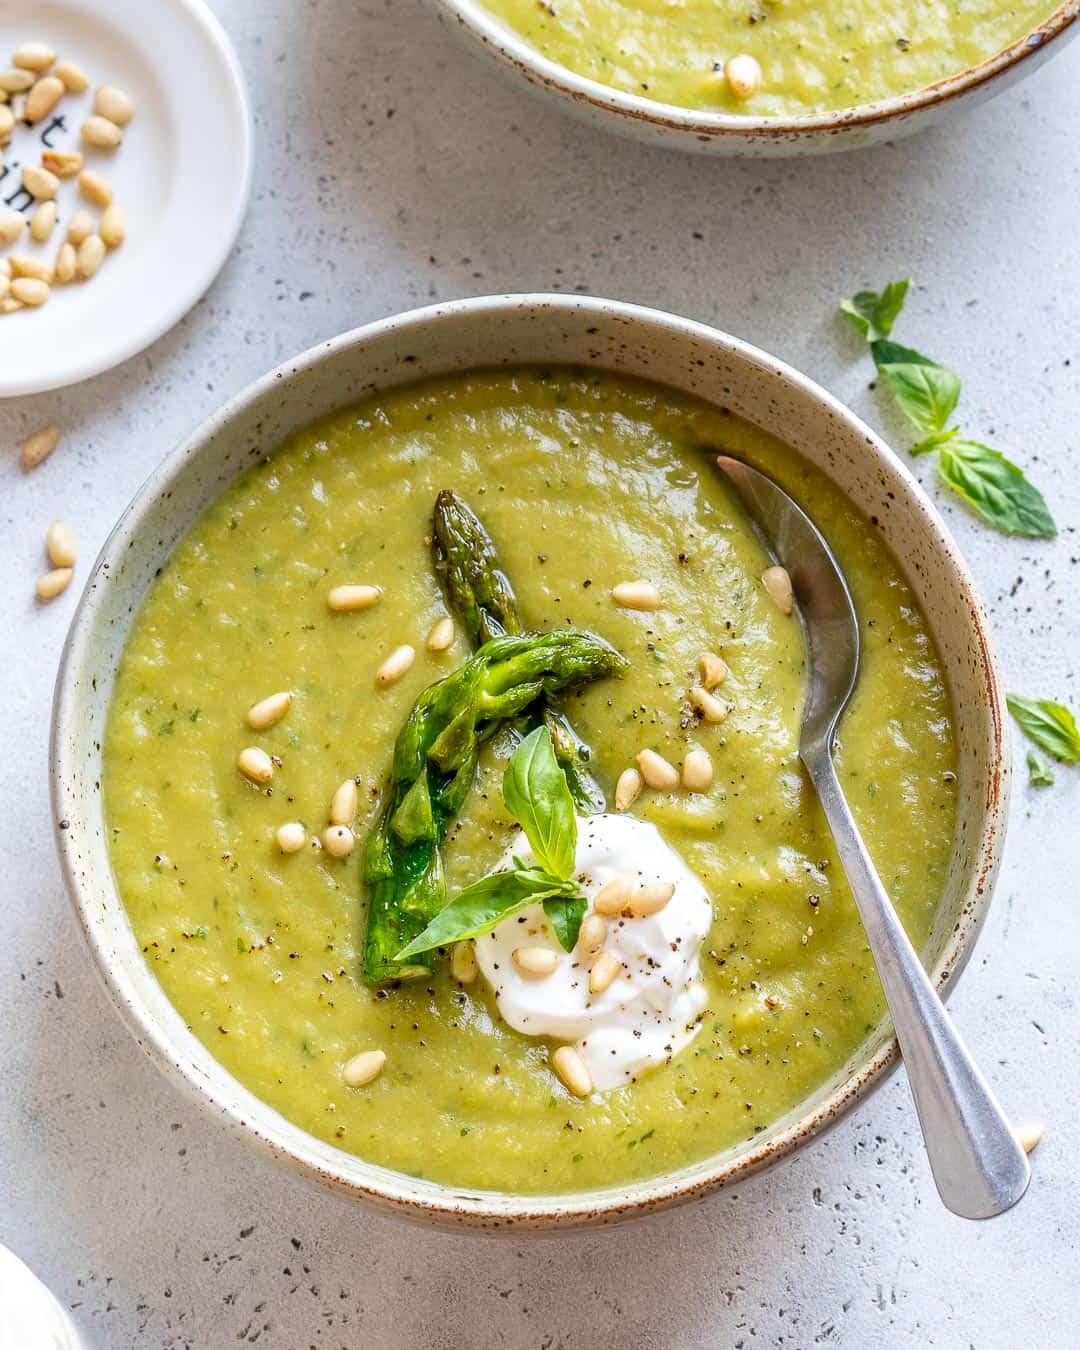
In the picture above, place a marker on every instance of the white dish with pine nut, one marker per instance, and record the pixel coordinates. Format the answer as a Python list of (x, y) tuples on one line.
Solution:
[(121, 199)]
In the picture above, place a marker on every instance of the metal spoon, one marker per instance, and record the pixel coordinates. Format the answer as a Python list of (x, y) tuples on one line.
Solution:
[(978, 1165)]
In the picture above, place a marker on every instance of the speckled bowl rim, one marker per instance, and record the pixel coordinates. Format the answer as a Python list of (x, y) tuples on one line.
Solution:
[(527, 60), (392, 1191)]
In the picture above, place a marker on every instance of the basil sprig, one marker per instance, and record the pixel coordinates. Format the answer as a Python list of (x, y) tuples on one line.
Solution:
[(1050, 725), (537, 795), (927, 394)]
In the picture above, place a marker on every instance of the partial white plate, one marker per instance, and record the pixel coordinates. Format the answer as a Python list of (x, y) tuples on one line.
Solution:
[(182, 175)]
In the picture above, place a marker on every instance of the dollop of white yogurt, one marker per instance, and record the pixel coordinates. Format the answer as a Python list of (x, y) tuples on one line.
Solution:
[(653, 1006)]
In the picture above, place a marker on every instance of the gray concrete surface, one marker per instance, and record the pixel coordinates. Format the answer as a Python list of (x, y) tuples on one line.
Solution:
[(393, 169)]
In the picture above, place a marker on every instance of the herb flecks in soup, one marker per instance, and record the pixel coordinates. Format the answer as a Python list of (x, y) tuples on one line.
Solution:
[(585, 483), (770, 58)]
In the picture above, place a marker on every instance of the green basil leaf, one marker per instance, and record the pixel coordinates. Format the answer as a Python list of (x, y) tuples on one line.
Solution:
[(1050, 725), (1039, 772), (893, 354), (935, 442), (927, 394), (537, 795), (874, 314), (479, 907), (996, 488), (565, 916)]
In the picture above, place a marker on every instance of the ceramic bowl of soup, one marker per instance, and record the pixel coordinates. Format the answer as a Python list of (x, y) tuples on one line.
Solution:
[(767, 78), (226, 714)]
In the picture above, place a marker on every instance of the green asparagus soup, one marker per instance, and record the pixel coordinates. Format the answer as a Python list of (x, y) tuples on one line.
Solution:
[(809, 57), (584, 481)]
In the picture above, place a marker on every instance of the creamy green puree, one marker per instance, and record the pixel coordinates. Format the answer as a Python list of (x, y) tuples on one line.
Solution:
[(583, 480), (813, 56)]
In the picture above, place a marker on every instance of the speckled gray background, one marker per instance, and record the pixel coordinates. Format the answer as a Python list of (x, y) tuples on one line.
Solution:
[(392, 168)]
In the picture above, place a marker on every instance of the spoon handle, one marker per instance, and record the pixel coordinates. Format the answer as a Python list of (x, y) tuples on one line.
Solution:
[(979, 1167)]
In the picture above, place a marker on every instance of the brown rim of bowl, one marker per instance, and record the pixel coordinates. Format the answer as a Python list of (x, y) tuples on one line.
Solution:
[(392, 1191), (539, 69)]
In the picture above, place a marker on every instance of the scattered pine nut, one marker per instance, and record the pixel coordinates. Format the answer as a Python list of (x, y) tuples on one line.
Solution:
[(63, 163), (656, 770), (270, 710), (39, 447), (33, 56), (101, 133), (743, 75), (441, 635), (363, 1068), (344, 598), (604, 970), (650, 899), (714, 670), (64, 267), (89, 256), (114, 104), (43, 221), (11, 226), (290, 837), (345, 803), (614, 895), (52, 583), (40, 183), (74, 81), (16, 81), (43, 98), (697, 771), (30, 291), (7, 121), (1028, 1136), (628, 789), (395, 665), (60, 544), (256, 765), (95, 189), (539, 961), (9, 305), (463, 964), (81, 225), (338, 840), (592, 933), (572, 1071), (708, 706), (636, 595), (113, 227), (24, 265), (777, 584)]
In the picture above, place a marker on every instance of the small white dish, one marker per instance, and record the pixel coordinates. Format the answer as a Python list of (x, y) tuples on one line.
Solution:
[(182, 176)]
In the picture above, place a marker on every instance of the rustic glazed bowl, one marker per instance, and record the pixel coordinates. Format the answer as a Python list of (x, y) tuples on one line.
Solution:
[(494, 331), (758, 137)]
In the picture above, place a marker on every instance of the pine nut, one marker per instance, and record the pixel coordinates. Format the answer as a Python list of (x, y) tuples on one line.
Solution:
[(708, 706), (651, 899), (64, 267), (63, 163), (18, 106), (9, 305), (81, 225), (344, 803), (7, 122), (656, 771), (363, 1068), (395, 665), (743, 75), (697, 771), (627, 789), (614, 895), (714, 670), (42, 222), (256, 765), (538, 961), (777, 584), (24, 265), (52, 583), (16, 81), (44, 97), (113, 227), (5, 285), (441, 635), (345, 598), (40, 183), (100, 132), (11, 226), (89, 257), (604, 969), (338, 840), (30, 291), (591, 934), (75, 82), (60, 544), (291, 836), (95, 189), (572, 1071), (1028, 1136), (636, 595), (114, 104), (463, 965), (270, 710), (5, 267), (33, 56), (39, 446)]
